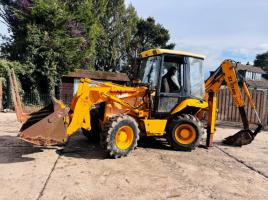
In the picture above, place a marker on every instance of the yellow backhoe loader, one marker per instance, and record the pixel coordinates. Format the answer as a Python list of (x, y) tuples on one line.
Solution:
[(167, 99)]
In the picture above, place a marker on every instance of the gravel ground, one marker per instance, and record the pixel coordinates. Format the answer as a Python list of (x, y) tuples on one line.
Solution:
[(154, 171)]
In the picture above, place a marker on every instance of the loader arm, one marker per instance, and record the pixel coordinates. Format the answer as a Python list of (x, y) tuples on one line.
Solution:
[(53, 124), (86, 97), (227, 72)]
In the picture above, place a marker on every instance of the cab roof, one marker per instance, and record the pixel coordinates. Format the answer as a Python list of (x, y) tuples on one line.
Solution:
[(153, 52)]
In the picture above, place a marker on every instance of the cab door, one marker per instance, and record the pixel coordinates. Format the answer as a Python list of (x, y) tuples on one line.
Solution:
[(172, 86)]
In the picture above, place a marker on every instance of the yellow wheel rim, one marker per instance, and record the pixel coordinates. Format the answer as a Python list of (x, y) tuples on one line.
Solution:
[(124, 137), (185, 134)]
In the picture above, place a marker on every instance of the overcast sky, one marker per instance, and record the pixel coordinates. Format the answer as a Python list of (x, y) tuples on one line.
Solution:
[(220, 29)]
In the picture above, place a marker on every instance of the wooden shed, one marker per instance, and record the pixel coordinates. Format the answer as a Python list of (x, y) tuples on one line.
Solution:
[(70, 81)]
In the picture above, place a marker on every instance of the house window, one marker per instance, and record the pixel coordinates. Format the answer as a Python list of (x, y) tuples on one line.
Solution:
[(249, 75), (257, 77), (253, 76)]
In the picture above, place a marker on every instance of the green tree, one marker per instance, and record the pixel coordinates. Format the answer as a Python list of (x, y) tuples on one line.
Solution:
[(148, 35), (51, 37), (151, 35), (118, 26), (124, 35), (262, 61)]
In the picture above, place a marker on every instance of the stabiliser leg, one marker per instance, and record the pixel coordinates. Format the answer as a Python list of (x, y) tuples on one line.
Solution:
[(212, 107)]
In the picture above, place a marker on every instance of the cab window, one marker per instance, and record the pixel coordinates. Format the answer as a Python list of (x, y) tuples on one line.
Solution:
[(197, 78), (172, 74), (149, 68)]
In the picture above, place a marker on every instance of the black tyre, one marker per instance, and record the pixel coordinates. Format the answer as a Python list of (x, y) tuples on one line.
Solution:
[(120, 136), (94, 133), (185, 133)]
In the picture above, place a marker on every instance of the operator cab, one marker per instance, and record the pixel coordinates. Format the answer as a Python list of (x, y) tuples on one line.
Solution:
[(174, 76)]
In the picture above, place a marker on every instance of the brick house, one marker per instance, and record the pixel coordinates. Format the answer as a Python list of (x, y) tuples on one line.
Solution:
[(255, 76)]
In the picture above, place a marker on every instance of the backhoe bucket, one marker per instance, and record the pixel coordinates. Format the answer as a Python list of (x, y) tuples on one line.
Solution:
[(46, 127), (242, 137)]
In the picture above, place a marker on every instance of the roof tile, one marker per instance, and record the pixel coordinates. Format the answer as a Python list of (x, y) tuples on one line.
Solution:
[(98, 75)]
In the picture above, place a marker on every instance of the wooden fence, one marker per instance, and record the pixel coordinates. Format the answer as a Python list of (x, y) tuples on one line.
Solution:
[(227, 110)]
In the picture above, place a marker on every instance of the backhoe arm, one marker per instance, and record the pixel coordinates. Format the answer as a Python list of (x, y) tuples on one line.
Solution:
[(227, 72)]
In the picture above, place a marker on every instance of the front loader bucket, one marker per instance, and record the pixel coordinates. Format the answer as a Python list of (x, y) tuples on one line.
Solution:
[(46, 127), (242, 137)]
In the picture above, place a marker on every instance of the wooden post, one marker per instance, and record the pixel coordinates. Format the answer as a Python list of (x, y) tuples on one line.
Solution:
[(266, 118), (264, 114), (21, 116), (1, 95), (16, 89), (8, 95)]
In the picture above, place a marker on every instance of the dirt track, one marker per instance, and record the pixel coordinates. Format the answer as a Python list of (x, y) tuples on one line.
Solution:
[(82, 171)]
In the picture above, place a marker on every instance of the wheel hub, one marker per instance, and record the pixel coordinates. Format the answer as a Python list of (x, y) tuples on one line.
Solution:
[(124, 137), (185, 134)]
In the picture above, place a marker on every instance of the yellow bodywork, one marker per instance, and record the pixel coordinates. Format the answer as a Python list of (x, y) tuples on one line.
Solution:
[(190, 103), (251, 102), (154, 52), (155, 127), (226, 72), (137, 102), (212, 114), (228, 75), (119, 99)]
